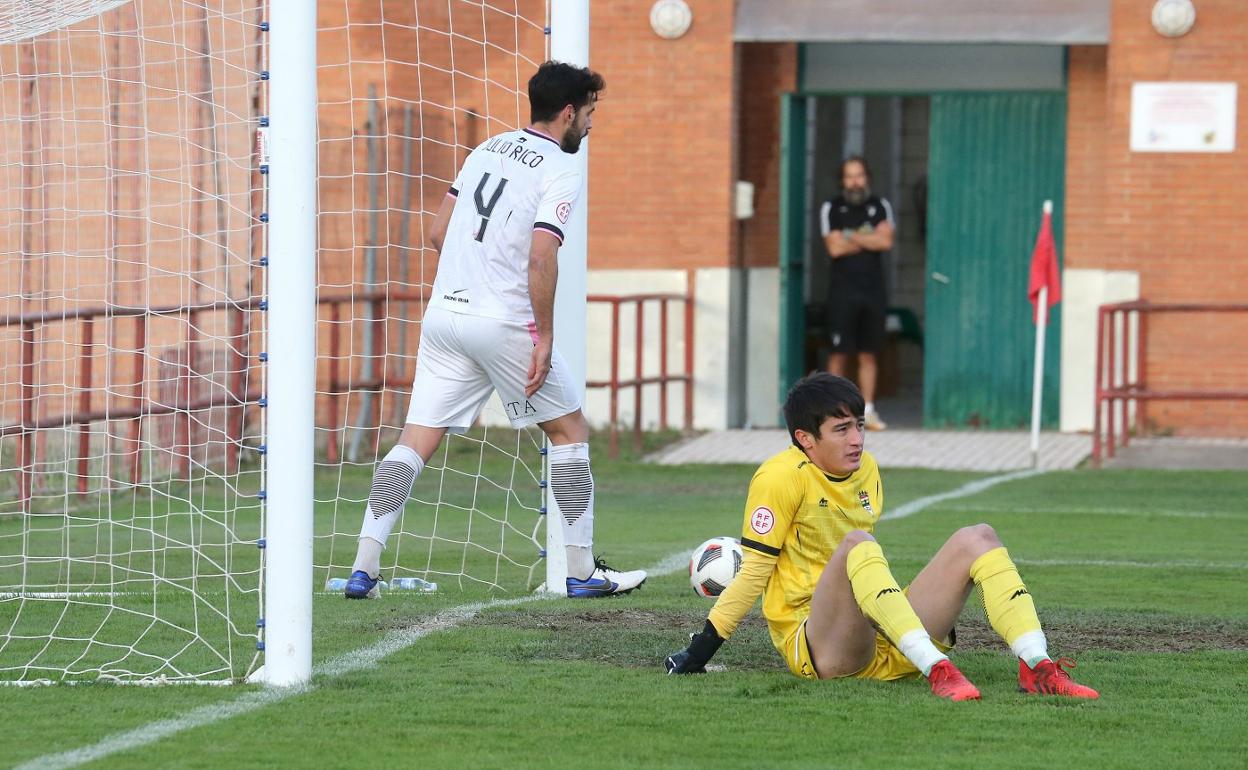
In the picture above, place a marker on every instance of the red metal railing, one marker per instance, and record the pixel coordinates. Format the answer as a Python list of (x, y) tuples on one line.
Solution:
[(386, 377), (138, 403), (639, 380), (141, 405), (1120, 384)]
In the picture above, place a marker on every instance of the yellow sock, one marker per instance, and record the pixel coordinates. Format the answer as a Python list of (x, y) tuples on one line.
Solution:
[(1008, 605), (877, 593)]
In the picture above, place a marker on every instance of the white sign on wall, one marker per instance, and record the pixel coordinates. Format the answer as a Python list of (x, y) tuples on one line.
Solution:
[(1183, 117)]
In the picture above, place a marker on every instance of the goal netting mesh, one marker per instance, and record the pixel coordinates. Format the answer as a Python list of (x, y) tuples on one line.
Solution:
[(133, 199), (406, 91)]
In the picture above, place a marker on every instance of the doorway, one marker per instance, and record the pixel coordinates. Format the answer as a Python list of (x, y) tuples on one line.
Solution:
[(966, 174), (891, 132)]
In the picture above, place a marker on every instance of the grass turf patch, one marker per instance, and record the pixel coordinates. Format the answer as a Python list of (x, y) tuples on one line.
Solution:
[(563, 684)]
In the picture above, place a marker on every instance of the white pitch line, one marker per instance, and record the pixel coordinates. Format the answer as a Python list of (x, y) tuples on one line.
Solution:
[(915, 506), (970, 488), (1132, 564), (1091, 511), (334, 667), (671, 564)]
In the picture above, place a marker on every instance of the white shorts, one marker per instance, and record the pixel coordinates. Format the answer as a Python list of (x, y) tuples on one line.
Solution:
[(463, 359)]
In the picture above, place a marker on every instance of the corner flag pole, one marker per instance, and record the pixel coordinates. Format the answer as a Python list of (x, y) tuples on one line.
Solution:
[(1035, 388), (1042, 319)]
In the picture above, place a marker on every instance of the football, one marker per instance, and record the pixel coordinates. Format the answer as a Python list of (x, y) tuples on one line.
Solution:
[(713, 566)]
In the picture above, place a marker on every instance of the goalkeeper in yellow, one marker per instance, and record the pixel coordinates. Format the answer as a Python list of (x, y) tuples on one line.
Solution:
[(832, 606)]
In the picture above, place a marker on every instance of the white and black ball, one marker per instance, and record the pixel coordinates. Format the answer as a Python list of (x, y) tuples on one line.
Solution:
[(714, 565)]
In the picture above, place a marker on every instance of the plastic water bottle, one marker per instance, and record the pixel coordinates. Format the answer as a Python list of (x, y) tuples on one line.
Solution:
[(413, 584)]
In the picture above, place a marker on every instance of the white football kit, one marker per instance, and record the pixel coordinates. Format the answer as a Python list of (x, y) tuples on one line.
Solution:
[(478, 331)]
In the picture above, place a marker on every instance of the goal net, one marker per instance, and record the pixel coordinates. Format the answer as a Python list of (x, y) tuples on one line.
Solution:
[(129, 325), (406, 91), (133, 319)]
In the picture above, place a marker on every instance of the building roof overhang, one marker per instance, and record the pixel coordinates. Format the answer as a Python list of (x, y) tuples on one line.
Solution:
[(1054, 22)]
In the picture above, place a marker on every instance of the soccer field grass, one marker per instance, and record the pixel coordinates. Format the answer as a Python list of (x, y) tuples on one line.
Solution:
[(1139, 575)]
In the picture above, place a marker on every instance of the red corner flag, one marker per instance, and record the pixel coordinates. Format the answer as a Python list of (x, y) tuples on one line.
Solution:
[(1044, 268)]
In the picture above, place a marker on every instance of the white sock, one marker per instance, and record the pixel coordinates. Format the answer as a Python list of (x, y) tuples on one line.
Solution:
[(392, 485), (918, 648), (870, 408), (572, 485), (1032, 647), (580, 561), (368, 557)]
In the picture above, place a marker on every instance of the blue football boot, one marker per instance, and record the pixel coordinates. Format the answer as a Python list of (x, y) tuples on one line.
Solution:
[(361, 586), (605, 581)]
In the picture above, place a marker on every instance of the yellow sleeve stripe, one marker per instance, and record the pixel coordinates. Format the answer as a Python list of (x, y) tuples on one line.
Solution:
[(770, 550)]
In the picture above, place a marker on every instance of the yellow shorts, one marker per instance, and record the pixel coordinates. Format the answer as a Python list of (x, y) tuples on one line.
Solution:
[(886, 664)]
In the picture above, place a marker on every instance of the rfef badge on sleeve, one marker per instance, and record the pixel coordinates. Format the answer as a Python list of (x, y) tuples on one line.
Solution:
[(762, 520)]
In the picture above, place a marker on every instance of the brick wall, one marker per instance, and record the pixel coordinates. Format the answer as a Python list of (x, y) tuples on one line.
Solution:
[(768, 70), (127, 178), (1085, 236), (661, 161), (1176, 218)]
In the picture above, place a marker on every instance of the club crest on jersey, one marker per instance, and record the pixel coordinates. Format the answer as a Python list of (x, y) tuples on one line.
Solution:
[(762, 520), (865, 499), (563, 212)]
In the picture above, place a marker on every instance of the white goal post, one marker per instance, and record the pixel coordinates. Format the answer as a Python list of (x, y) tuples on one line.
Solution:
[(292, 363), (569, 42)]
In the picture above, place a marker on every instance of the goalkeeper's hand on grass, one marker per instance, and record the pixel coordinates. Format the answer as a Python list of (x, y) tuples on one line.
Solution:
[(693, 659)]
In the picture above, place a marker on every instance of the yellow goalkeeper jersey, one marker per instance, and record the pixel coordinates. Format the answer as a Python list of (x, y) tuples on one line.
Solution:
[(795, 516)]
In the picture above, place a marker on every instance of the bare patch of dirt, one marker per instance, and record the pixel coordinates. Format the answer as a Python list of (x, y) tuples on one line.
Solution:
[(583, 620), (1118, 634), (1066, 635)]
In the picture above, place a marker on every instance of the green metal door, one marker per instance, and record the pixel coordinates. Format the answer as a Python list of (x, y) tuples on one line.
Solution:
[(995, 158), (792, 239)]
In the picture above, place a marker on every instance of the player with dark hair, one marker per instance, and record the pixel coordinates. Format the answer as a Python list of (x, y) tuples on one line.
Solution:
[(489, 325), (832, 605), (554, 87)]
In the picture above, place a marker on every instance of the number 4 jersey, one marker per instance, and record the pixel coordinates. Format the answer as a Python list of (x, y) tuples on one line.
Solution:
[(510, 186)]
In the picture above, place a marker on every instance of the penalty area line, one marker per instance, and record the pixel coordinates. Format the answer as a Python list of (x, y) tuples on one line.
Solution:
[(356, 660)]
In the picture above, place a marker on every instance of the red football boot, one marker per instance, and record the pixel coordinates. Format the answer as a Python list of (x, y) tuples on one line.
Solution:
[(948, 682), (1051, 678)]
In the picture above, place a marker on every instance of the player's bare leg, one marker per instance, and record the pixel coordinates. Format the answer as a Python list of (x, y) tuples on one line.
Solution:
[(975, 556), (841, 638), (572, 484), (569, 429), (422, 439), (855, 596), (940, 590), (392, 485)]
